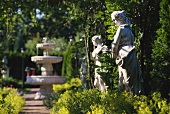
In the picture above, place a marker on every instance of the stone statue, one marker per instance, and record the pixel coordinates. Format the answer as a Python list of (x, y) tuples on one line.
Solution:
[(45, 39), (97, 42), (83, 68), (123, 49), (5, 69)]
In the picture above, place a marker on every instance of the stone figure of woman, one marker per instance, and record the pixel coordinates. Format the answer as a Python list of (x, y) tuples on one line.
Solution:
[(99, 47), (123, 50)]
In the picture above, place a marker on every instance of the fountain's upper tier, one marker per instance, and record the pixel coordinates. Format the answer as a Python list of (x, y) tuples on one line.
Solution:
[(46, 46), (46, 59)]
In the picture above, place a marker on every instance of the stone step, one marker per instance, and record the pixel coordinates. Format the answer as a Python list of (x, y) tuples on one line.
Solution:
[(29, 96), (34, 103), (33, 106), (34, 112)]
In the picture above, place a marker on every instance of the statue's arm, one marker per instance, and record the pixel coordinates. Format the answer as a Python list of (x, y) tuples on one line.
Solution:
[(96, 51)]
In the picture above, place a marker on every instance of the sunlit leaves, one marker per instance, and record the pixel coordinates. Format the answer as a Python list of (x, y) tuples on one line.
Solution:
[(10, 101)]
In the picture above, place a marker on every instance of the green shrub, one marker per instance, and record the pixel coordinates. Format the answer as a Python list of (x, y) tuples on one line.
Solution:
[(71, 99), (92, 101), (10, 101), (74, 84), (75, 102), (152, 105), (51, 99)]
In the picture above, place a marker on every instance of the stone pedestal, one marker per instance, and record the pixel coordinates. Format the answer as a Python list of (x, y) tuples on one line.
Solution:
[(46, 69), (44, 91)]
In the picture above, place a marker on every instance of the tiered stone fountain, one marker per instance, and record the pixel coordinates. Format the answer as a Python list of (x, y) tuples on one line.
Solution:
[(46, 79)]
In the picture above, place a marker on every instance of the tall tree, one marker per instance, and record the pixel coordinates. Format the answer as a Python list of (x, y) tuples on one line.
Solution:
[(19, 42), (161, 62)]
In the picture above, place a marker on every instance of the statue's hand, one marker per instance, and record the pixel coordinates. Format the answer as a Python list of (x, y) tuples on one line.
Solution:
[(104, 49), (93, 54)]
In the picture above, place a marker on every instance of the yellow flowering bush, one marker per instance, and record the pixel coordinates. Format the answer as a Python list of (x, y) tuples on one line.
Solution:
[(63, 110), (154, 105), (59, 89), (10, 101), (94, 102), (97, 109), (78, 101), (74, 82)]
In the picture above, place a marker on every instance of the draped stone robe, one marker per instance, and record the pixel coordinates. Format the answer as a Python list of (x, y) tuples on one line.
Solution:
[(130, 75)]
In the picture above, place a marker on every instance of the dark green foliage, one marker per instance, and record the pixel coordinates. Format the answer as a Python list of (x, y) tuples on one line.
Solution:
[(15, 64), (161, 53), (67, 68), (19, 42), (108, 70), (14, 83), (8, 82)]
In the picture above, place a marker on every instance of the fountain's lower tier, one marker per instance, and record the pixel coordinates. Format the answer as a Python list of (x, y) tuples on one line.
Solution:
[(43, 80), (45, 83)]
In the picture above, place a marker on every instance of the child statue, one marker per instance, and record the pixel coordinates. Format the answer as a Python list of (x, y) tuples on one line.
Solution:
[(97, 42)]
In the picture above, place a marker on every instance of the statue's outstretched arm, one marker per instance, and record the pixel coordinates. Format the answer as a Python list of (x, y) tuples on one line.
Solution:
[(96, 51)]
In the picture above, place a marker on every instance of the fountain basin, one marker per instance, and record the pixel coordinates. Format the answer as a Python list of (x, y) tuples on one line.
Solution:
[(45, 83), (46, 45), (46, 59), (45, 80)]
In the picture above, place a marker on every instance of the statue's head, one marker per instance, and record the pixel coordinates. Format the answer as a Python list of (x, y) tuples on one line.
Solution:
[(119, 18), (45, 39), (96, 40)]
